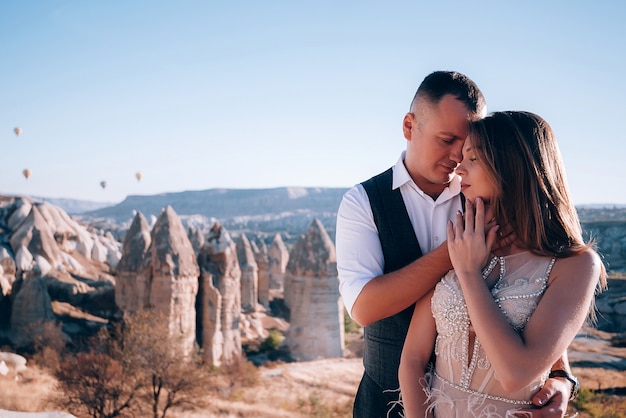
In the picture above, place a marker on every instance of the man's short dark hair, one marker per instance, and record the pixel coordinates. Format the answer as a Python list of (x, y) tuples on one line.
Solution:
[(440, 83)]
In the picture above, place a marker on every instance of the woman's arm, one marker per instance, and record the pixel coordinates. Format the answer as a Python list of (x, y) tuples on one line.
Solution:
[(553, 325), (416, 353)]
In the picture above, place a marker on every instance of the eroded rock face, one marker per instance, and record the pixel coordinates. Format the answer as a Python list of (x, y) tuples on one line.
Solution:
[(35, 236), (316, 327), (42, 236), (7, 272), (262, 261), (249, 275), (196, 237), (174, 276), (611, 241), (32, 305), (278, 256), (611, 306), (220, 298), (130, 291)]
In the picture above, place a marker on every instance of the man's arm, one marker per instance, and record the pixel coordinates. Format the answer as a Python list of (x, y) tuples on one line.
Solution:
[(370, 295), (391, 293), (551, 401)]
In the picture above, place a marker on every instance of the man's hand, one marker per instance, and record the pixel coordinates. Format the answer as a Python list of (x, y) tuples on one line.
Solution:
[(551, 401)]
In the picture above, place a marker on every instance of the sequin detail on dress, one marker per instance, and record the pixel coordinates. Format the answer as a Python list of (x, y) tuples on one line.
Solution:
[(462, 372)]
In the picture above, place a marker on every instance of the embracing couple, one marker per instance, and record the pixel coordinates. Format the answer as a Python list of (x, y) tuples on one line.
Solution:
[(465, 262)]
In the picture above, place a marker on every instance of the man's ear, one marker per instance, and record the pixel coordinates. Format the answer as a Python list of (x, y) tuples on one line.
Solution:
[(408, 124)]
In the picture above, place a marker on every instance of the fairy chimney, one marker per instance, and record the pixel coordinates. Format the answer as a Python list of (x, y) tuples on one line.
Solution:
[(131, 287), (174, 277), (312, 294), (249, 275), (196, 238), (278, 256), (219, 301), (32, 307), (262, 261)]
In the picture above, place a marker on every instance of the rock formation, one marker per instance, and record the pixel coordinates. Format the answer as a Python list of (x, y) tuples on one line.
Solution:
[(196, 238), (173, 279), (611, 241), (278, 257), (312, 294), (131, 286), (40, 241), (249, 275), (219, 301), (611, 306), (34, 236), (7, 271), (63, 245), (31, 308), (262, 261)]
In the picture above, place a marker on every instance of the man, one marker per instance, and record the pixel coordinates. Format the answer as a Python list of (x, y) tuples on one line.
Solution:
[(389, 234)]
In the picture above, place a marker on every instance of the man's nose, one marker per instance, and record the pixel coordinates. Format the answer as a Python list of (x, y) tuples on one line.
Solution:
[(456, 152)]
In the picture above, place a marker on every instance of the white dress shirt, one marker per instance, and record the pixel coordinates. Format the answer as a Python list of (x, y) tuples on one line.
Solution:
[(359, 252)]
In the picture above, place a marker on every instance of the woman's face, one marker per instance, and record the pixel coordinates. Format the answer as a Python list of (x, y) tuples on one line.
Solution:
[(475, 181)]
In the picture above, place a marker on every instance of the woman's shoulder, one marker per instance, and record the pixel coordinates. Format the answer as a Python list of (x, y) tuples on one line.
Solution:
[(584, 265)]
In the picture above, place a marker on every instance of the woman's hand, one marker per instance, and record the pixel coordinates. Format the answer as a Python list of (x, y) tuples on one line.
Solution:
[(468, 246)]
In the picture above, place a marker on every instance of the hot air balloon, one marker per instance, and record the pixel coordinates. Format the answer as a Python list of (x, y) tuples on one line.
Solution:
[(17, 131), (138, 176), (26, 172), (103, 184)]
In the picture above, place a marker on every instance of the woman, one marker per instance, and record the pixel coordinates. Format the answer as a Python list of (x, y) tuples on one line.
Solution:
[(502, 319)]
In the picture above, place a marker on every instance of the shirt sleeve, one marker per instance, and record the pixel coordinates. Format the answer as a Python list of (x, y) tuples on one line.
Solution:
[(358, 249)]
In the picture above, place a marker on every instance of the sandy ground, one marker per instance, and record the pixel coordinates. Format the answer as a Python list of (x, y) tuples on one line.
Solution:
[(326, 388), (313, 388)]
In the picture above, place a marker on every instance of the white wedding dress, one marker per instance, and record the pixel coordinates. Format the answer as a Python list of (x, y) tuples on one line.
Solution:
[(463, 383)]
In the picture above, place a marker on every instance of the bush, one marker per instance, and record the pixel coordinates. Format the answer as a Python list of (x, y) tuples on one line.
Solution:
[(350, 325), (272, 342)]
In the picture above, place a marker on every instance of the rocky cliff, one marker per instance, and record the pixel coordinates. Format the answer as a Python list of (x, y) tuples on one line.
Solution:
[(59, 259)]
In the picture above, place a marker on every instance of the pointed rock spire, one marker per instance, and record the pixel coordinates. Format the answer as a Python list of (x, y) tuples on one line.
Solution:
[(314, 254), (278, 256), (171, 250), (131, 287), (136, 244), (172, 275), (312, 294), (35, 235), (249, 274)]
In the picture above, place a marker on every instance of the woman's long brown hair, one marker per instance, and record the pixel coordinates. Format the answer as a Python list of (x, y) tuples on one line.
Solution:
[(521, 155)]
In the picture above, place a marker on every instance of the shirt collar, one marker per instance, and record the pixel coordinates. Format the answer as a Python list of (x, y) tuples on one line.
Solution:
[(401, 176)]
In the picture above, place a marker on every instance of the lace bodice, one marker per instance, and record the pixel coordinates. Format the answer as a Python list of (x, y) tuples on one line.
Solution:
[(518, 286)]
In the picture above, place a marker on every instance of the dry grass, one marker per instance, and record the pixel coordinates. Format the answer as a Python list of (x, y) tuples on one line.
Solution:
[(31, 390), (322, 389)]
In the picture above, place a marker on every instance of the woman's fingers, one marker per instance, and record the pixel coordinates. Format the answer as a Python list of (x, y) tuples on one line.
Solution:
[(459, 225), (469, 216), (479, 224)]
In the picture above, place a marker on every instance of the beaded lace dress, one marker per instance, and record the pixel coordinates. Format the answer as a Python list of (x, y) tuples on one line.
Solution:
[(463, 383)]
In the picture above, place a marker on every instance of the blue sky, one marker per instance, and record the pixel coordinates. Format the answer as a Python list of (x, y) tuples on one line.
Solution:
[(241, 94)]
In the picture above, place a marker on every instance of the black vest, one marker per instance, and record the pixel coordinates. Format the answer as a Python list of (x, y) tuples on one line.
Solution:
[(384, 339)]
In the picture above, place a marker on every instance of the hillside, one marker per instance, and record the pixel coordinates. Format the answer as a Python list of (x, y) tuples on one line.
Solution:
[(290, 210), (228, 203)]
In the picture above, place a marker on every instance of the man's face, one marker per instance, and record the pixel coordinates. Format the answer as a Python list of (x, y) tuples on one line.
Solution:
[(435, 143)]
